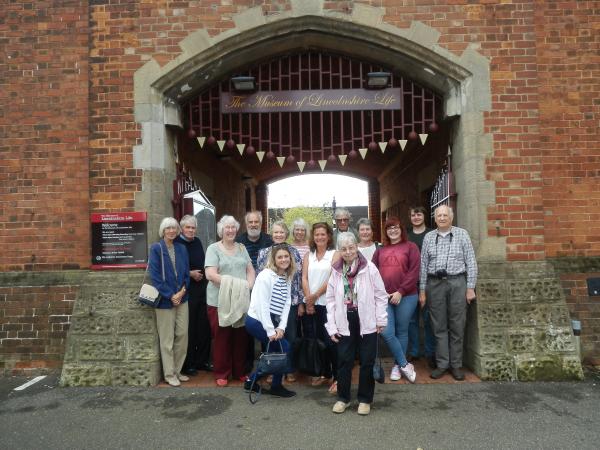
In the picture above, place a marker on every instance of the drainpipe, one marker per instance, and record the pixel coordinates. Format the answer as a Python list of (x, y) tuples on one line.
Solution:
[(576, 324)]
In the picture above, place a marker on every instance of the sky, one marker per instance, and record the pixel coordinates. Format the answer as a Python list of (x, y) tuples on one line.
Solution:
[(316, 190)]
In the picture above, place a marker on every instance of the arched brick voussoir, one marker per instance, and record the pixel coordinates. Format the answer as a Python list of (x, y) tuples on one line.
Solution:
[(413, 51)]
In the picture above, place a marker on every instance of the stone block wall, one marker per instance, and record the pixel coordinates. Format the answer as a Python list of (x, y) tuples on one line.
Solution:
[(520, 327), (113, 339), (573, 273)]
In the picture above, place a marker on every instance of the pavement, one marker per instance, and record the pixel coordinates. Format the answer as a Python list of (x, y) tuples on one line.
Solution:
[(466, 415)]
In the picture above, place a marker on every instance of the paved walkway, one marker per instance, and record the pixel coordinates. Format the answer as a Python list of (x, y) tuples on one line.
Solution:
[(206, 379)]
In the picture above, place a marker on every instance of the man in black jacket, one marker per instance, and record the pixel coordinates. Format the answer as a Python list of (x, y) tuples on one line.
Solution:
[(198, 353)]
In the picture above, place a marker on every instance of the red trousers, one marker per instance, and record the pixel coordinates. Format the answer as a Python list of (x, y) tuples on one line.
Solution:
[(229, 348)]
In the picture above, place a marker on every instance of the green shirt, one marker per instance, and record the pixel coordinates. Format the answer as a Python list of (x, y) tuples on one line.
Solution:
[(234, 265)]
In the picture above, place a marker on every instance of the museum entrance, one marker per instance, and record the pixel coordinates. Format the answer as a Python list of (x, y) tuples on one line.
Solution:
[(319, 112)]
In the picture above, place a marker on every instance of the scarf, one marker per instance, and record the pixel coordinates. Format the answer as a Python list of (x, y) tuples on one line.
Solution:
[(348, 275)]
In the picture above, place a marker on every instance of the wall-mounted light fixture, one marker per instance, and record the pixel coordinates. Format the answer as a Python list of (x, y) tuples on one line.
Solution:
[(378, 80), (243, 83)]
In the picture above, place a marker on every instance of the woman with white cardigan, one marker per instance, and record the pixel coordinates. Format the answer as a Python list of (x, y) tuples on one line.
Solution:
[(269, 309)]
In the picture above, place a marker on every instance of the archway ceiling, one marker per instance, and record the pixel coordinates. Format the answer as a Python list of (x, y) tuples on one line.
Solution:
[(313, 138)]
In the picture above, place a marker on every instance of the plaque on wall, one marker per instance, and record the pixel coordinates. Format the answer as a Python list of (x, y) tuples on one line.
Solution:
[(119, 240)]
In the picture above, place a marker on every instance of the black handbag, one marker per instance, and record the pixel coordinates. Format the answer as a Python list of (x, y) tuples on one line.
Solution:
[(309, 355), (378, 373), (269, 363), (272, 363), (149, 295)]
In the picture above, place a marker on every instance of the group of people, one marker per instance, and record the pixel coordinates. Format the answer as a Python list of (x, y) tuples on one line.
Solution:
[(339, 286)]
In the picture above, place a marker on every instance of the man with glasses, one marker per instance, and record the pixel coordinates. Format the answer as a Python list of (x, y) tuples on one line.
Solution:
[(447, 285), (342, 224)]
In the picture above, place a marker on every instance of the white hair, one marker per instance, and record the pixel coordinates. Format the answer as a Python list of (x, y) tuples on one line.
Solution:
[(300, 223), (364, 221), (339, 212), (450, 210), (226, 220), (167, 222), (249, 213), (188, 220), (344, 238), (281, 224)]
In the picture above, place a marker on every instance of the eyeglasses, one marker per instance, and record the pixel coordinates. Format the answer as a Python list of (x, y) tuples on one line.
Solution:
[(393, 228), (342, 220)]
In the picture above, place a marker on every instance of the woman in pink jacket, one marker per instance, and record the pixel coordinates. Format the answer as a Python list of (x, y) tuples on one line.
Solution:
[(356, 314)]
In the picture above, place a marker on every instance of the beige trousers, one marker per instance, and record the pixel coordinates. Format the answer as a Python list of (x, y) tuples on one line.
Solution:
[(172, 327)]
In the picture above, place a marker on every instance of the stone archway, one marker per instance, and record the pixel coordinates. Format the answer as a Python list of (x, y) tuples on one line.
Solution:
[(462, 80)]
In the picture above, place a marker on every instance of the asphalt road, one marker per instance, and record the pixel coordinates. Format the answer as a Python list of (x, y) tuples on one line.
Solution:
[(457, 416)]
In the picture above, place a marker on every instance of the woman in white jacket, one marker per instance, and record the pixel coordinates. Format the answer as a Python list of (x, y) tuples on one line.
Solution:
[(356, 314), (269, 309)]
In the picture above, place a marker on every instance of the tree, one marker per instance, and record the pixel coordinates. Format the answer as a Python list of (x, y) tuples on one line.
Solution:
[(312, 214)]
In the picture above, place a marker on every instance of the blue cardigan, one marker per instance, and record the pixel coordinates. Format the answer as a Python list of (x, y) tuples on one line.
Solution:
[(171, 285)]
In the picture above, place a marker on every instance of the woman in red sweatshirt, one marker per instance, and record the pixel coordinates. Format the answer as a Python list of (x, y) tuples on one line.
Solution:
[(398, 263)]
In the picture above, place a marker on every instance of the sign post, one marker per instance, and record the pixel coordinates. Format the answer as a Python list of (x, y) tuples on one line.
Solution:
[(119, 240)]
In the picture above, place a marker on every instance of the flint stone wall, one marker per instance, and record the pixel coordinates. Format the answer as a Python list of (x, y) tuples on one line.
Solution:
[(520, 328), (112, 339)]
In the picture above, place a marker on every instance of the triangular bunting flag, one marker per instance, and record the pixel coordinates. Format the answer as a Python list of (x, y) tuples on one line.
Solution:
[(322, 163), (201, 141), (260, 155), (221, 144), (382, 146), (301, 165), (342, 159), (363, 152), (423, 138), (240, 148), (281, 160), (403, 143)]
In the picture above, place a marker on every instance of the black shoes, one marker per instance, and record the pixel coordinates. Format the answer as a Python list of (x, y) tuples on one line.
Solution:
[(248, 386), (208, 367), (437, 373), (431, 361), (457, 374), (189, 371), (280, 391)]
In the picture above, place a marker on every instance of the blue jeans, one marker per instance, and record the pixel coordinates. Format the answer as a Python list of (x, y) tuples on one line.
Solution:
[(395, 333), (255, 328), (413, 333)]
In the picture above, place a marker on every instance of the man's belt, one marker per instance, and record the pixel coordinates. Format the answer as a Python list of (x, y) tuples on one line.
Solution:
[(446, 277)]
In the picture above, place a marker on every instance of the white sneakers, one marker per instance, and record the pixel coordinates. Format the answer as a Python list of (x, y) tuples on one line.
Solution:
[(395, 375), (340, 407), (408, 371), (172, 380)]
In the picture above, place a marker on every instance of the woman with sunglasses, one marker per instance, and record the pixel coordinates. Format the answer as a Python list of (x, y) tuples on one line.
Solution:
[(269, 309), (316, 269), (280, 233)]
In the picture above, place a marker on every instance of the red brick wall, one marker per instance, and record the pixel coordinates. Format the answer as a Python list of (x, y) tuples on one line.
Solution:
[(44, 136), (33, 327), (584, 308), (543, 120), (569, 73)]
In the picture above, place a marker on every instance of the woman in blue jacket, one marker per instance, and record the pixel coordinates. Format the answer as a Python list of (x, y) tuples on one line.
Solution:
[(168, 266)]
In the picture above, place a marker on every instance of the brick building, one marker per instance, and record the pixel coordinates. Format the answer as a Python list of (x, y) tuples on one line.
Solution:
[(104, 104)]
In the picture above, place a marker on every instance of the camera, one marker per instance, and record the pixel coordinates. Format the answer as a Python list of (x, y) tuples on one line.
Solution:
[(441, 273)]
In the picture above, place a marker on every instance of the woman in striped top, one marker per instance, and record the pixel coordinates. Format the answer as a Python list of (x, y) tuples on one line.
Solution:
[(269, 309)]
